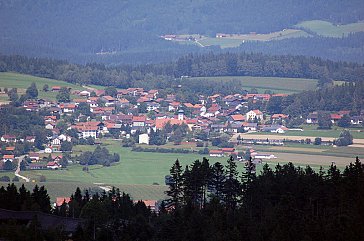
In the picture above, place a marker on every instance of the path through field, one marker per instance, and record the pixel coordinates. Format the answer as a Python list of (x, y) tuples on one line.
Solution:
[(17, 171)]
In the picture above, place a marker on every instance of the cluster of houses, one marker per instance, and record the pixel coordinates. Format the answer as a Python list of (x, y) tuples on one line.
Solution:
[(223, 114), (119, 115), (313, 117)]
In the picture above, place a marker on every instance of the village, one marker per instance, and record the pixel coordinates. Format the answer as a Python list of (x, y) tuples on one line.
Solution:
[(138, 115)]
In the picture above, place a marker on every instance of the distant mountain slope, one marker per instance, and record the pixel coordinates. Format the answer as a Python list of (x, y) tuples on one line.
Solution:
[(70, 29)]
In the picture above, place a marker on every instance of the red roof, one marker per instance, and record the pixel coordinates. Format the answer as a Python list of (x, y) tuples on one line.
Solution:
[(276, 116), (141, 118), (10, 148), (109, 98), (228, 149), (61, 200), (160, 123), (215, 152), (8, 157), (335, 116), (238, 117)]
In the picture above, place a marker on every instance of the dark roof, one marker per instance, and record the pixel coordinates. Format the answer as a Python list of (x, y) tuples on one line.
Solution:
[(47, 221)]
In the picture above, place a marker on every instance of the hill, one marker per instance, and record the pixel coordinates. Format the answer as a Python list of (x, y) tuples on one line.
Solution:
[(120, 31), (23, 81)]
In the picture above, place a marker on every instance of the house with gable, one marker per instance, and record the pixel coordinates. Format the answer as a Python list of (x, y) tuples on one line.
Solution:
[(254, 115)]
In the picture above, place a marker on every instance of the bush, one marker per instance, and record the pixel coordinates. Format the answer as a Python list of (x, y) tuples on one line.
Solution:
[(344, 139), (199, 144), (42, 178), (5, 179), (205, 151), (318, 141), (15, 179)]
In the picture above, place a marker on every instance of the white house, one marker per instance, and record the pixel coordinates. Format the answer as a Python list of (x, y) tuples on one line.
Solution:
[(144, 139), (254, 114), (56, 141), (85, 93)]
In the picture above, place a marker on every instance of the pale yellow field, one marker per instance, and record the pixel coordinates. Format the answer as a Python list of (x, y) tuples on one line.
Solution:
[(306, 159), (294, 138)]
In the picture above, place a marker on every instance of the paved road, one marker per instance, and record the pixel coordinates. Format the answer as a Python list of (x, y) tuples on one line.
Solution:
[(20, 159)]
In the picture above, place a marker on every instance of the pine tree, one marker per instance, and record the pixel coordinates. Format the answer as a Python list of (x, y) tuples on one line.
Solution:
[(175, 191), (232, 187)]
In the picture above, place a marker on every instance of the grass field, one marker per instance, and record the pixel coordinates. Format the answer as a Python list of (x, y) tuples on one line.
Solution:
[(142, 174), (22, 82), (275, 84), (328, 29), (235, 40), (311, 131)]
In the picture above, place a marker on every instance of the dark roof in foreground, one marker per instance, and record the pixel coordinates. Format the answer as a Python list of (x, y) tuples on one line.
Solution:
[(47, 221)]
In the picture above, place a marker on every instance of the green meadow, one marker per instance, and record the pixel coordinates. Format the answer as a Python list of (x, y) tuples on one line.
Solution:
[(274, 84), (328, 29), (22, 82)]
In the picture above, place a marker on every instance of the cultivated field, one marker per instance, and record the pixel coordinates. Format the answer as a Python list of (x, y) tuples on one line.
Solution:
[(328, 29), (275, 84)]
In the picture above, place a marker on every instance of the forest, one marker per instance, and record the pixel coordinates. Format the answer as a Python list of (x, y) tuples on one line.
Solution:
[(212, 202), (128, 31), (338, 49), (168, 75), (346, 97)]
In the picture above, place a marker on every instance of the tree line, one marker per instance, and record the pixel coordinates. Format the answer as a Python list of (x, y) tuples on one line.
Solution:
[(168, 75), (348, 96), (217, 202)]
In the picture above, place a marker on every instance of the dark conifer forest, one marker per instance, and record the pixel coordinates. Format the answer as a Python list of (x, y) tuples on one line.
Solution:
[(211, 202)]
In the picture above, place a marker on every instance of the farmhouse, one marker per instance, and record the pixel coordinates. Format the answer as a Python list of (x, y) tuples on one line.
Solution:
[(34, 156), (216, 153), (312, 118), (8, 138), (254, 114), (8, 158)]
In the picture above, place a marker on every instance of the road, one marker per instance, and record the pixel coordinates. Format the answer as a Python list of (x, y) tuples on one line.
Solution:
[(20, 159)]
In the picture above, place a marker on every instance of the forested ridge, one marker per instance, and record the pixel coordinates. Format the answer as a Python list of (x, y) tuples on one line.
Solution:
[(212, 202), (129, 30), (195, 65)]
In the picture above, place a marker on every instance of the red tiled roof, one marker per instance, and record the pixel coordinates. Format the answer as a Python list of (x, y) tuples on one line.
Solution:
[(276, 116), (139, 118), (160, 123), (335, 116), (8, 156), (238, 117), (61, 200), (228, 149)]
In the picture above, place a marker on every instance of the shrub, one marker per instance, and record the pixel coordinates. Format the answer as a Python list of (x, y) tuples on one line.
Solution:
[(15, 179), (199, 144), (42, 178), (5, 179)]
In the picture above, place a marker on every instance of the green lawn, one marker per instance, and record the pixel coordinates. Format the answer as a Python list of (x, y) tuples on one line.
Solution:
[(310, 131), (328, 29), (222, 42), (134, 174), (140, 174), (275, 84)]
